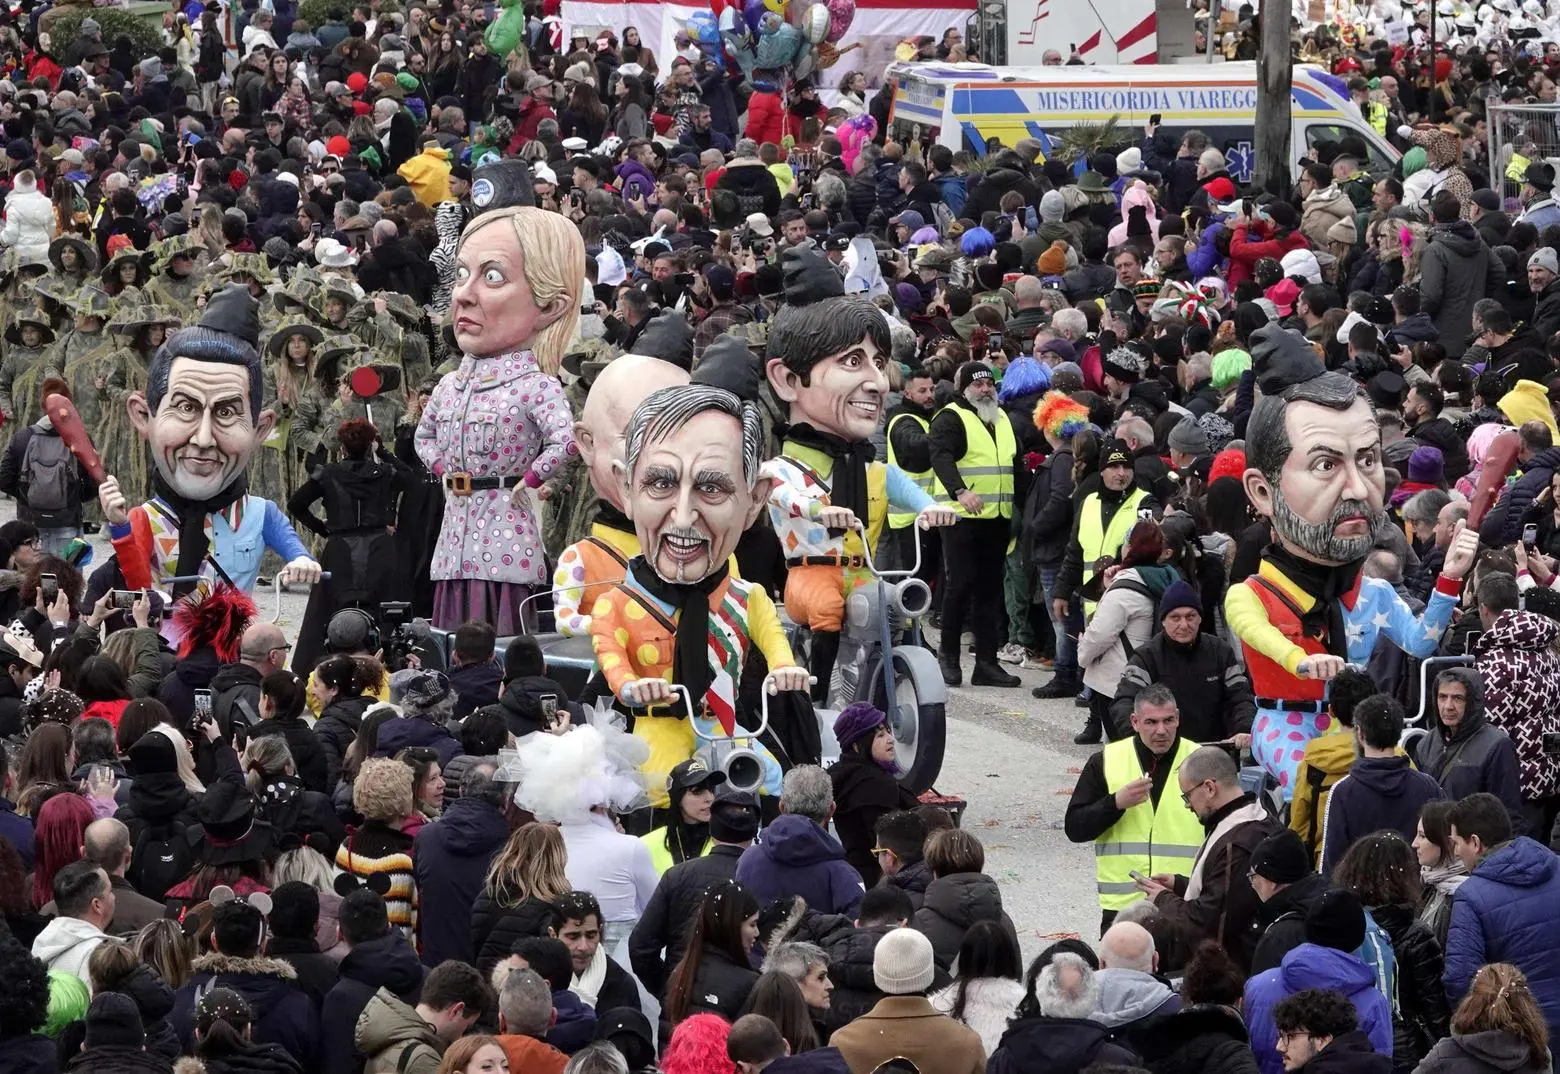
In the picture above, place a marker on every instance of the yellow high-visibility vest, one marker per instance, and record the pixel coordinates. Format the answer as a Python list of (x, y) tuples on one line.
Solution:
[(925, 480), (1107, 541), (1150, 840), (987, 465)]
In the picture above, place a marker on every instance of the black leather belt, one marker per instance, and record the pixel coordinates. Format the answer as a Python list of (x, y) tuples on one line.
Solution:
[(826, 561), (1281, 705), (463, 484)]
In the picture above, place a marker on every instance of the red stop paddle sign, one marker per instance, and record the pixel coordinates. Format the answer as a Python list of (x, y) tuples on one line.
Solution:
[(366, 382), (66, 422)]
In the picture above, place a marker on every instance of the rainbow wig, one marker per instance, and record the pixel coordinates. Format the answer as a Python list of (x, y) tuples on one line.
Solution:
[(1060, 417)]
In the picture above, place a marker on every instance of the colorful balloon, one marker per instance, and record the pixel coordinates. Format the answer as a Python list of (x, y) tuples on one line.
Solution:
[(815, 24), (752, 11), (768, 23), (777, 6), (805, 62), (734, 27), (778, 49), (841, 14)]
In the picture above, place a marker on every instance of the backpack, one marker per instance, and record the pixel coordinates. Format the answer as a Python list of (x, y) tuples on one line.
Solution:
[(1377, 953), (161, 859), (49, 477)]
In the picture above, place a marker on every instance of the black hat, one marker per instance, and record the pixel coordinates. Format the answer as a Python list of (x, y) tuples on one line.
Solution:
[(1115, 453), (730, 363), (1487, 199), (153, 752), (693, 773), (1281, 858), (1386, 389), (809, 277), (234, 310), (1336, 920), (970, 372), (734, 816), (1538, 175), (669, 337), (113, 1020), (501, 184), (624, 1020), (229, 831)]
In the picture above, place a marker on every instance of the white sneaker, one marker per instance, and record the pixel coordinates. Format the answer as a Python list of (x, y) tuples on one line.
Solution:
[(1011, 654), (1033, 661)]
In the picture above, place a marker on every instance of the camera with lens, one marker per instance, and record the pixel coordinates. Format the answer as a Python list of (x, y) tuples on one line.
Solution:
[(398, 642)]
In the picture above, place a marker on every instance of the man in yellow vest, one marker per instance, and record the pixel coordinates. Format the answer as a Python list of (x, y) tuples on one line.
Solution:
[(911, 451), (1128, 803), (974, 456)]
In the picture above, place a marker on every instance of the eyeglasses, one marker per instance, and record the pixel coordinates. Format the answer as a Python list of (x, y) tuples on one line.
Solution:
[(880, 850), (33, 542), (284, 648), (1186, 795)]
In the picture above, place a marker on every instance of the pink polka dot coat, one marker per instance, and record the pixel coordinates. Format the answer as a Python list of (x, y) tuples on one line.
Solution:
[(494, 417)]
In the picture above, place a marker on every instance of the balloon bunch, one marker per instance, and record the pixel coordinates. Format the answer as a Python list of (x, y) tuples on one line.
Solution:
[(759, 36)]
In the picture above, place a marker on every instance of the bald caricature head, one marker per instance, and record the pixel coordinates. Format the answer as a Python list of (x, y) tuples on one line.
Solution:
[(618, 390)]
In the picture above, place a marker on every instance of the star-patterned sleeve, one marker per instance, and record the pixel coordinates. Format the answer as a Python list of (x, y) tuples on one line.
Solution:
[(568, 594), (1416, 635), (553, 418)]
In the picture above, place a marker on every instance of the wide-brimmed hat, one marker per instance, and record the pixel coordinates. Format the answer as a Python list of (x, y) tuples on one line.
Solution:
[(132, 317), (277, 344), (254, 266), (338, 288), (90, 301), (165, 250), (17, 258), (128, 254), (332, 350), (297, 295), (1092, 182), (56, 289), (230, 831), (329, 253), (13, 331), (935, 258), (84, 249), (401, 307)]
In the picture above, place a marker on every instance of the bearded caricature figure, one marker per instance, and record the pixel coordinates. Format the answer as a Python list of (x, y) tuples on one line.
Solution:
[(827, 359), (588, 566), (690, 482), (498, 427), (201, 415), (1315, 471)]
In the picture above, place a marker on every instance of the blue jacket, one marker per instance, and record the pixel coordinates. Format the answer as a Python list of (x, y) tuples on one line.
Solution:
[(954, 195), (1505, 912), (475, 686), (797, 857), (404, 732), (575, 1026), (1378, 792), (1311, 966), (18, 830), (450, 858)]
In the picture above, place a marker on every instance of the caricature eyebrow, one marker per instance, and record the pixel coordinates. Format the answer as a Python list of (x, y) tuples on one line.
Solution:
[(654, 473), (719, 478), (1325, 449)]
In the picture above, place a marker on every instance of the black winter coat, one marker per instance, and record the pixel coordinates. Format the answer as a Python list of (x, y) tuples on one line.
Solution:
[(1423, 1016), (336, 728), (1281, 921), (33, 1053), (1056, 1046), (388, 962), (1205, 1039), (317, 971), (1048, 510), (308, 755), (720, 986), (399, 265), (450, 859), (301, 813), (864, 792), (953, 903), (850, 968), (663, 925), (1211, 689), (255, 1059), (495, 928), (118, 1059), (284, 1012), (159, 806)]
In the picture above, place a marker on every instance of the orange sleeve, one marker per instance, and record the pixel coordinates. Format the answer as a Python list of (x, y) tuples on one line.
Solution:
[(134, 551), (609, 635)]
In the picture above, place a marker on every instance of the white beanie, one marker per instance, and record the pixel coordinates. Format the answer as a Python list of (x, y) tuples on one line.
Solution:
[(1129, 160), (1302, 263), (902, 963)]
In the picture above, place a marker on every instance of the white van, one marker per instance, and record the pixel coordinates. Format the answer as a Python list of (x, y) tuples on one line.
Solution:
[(964, 105)]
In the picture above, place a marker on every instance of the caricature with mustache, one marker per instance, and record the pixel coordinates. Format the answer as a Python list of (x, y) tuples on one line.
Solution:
[(1314, 469)]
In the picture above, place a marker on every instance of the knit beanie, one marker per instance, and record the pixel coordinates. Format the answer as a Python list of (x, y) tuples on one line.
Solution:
[(1054, 261), (1188, 437), (1179, 594), (114, 1020), (856, 721), (1052, 207), (734, 815), (1230, 462), (902, 963), (1125, 364), (1337, 921), (1426, 466), (153, 752), (1281, 858)]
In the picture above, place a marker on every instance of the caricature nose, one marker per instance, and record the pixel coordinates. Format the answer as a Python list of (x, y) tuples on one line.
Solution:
[(1357, 487), (202, 436), (684, 513)]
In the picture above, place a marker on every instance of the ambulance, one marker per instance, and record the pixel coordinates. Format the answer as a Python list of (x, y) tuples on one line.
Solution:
[(966, 105)]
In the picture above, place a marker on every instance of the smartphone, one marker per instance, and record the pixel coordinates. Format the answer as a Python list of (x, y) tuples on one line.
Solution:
[(124, 599), (549, 706), (202, 707), (1155, 118), (1530, 534), (809, 200), (1134, 874), (317, 228), (50, 586), (994, 341)]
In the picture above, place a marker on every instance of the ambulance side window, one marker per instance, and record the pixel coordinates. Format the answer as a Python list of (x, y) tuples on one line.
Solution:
[(1376, 165)]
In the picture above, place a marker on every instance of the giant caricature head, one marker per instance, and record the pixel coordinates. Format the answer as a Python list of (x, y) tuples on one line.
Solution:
[(690, 480), (1314, 451), (827, 355), (617, 391), (518, 277), (201, 410)]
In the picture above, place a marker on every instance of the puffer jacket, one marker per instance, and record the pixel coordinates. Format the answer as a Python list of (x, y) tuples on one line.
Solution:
[(766, 118), (1203, 1039), (1129, 610), (396, 1038), (1476, 757), (1321, 210), (953, 903), (407, 732), (29, 223), (1313, 966), (336, 728), (1505, 912), (1422, 1017), (720, 986), (1503, 524), (850, 968), (1521, 673), (1454, 274), (495, 927), (284, 1012)]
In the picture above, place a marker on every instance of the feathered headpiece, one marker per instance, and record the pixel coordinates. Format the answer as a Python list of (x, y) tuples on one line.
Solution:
[(1059, 416), (216, 620), (563, 777)]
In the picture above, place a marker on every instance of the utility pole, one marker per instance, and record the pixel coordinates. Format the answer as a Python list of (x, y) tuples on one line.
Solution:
[(1272, 151)]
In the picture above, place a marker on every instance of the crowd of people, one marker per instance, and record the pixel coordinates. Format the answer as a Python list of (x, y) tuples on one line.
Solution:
[(1224, 464)]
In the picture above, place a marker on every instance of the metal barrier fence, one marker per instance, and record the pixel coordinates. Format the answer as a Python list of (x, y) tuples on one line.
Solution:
[(1520, 134)]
